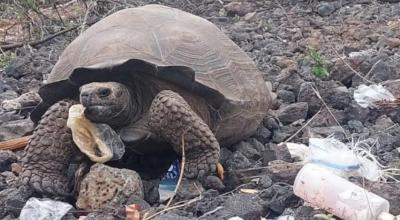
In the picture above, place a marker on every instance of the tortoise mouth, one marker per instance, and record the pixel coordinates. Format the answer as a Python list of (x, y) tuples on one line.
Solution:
[(101, 113)]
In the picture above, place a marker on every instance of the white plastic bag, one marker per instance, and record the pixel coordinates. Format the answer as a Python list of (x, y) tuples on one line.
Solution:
[(44, 209), (353, 159), (366, 96)]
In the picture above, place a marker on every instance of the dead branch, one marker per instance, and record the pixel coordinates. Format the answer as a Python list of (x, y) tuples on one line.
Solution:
[(35, 43), (15, 144), (181, 173)]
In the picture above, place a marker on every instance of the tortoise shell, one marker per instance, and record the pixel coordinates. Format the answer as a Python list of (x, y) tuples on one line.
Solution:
[(171, 45)]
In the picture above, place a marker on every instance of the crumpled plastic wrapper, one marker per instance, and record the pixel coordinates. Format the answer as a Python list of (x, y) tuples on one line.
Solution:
[(98, 141), (44, 209), (366, 96)]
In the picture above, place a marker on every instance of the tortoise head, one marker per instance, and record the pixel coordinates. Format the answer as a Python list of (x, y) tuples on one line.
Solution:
[(107, 102)]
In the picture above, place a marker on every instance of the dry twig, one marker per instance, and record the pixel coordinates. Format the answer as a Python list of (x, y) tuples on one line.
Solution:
[(351, 68), (15, 144), (172, 208), (35, 43), (181, 173), (302, 127), (329, 110)]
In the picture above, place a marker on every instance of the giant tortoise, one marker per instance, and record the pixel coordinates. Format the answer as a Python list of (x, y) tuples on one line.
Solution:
[(157, 76)]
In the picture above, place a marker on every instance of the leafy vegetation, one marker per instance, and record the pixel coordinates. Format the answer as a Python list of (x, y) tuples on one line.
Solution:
[(5, 59), (319, 64)]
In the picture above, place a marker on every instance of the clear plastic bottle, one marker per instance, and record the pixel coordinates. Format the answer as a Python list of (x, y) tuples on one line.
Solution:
[(336, 195)]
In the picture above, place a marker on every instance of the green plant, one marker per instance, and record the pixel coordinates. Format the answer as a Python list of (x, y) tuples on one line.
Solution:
[(5, 59), (319, 65)]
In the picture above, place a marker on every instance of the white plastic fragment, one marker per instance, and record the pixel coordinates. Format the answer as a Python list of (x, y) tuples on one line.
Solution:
[(298, 151), (365, 95), (285, 217), (235, 218), (44, 209)]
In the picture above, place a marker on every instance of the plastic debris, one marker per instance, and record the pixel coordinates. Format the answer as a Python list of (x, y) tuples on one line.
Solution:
[(285, 217), (367, 96), (346, 200), (98, 141), (132, 212), (332, 153), (249, 191), (353, 159), (44, 209), (235, 218), (168, 183), (298, 151)]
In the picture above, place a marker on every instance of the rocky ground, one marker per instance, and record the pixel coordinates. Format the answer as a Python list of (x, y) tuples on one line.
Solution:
[(316, 53)]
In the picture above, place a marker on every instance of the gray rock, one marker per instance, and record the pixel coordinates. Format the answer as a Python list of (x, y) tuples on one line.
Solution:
[(268, 156), (325, 119), (323, 132), (100, 215), (355, 112), (265, 182), (222, 213), (278, 197), (239, 8), (106, 186), (7, 179), (16, 68), (293, 112), (13, 199), (6, 116), (326, 8), (286, 96), (263, 134), (9, 217), (382, 72), (189, 189), (294, 80), (171, 216), (14, 129), (283, 133), (306, 94), (271, 123), (7, 157), (246, 206), (29, 99), (334, 94), (210, 201), (250, 148), (355, 126), (224, 155), (237, 161), (281, 152), (306, 212), (8, 94), (213, 182)]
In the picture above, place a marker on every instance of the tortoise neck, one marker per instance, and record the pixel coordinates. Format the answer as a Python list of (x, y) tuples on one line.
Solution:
[(142, 94)]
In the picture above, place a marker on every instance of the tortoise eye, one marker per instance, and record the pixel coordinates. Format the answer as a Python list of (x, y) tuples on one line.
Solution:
[(104, 92)]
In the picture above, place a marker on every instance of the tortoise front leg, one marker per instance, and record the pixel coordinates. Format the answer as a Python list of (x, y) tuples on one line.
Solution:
[(172, 118), (48, 154)]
